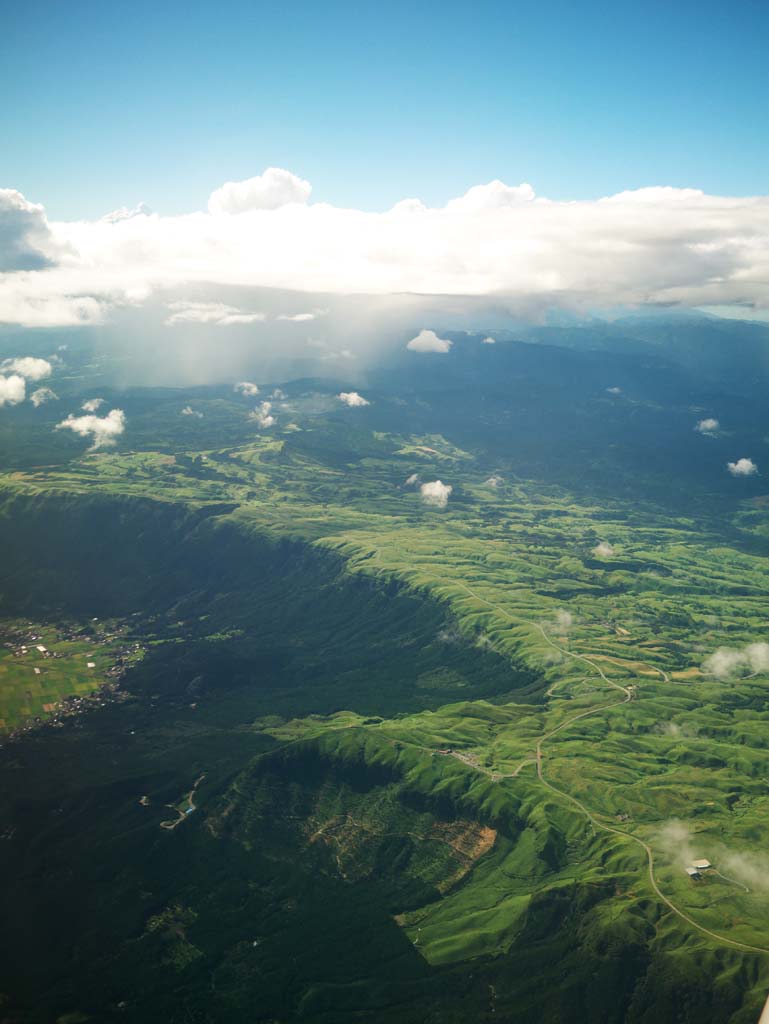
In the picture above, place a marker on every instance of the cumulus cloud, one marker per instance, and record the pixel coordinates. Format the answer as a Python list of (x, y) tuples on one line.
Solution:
[(428, 341), (603, 549), (488, 340), (13, 390), (563, 620), (216, 313), (708, 426), (92, 404), (103, 430), (278, 394), (247, 388), (268, 191), (493, 481), (353, 399), (436, 493), (24, 234), (412, 480), (263, 416), (42, 395), (731, 663), (742, 467), (652, 246), (189, 411), (28, 367), (614, 391)]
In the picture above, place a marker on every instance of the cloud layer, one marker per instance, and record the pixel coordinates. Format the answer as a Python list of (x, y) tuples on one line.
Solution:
[(654, 245)]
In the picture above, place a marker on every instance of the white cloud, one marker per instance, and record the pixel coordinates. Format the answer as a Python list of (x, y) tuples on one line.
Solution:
[(657, 245), (742, 467), (412, 481), (353, 399), (28, 367), (41, 396), (493, 481), (708, 426), (301, 318), (216, 313), (245, 387), (24, 234), (126, 213), (92, 404), (263, 416), (104, 430), (189, 411), (13, 390), (278, 394), (268, 191), (428, 341), (492, 197), (614, 391), (603, 549), (730, 662), (436, 493), (488, 340), (563, 620)]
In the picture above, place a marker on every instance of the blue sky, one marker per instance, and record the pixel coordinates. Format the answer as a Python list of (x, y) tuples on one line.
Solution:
[(107, 104)]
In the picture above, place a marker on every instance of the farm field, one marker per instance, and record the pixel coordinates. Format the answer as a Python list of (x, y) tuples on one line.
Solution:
[(45, 670)]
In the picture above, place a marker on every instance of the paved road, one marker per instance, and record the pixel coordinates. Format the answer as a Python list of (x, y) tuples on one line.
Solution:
[(595, 823)]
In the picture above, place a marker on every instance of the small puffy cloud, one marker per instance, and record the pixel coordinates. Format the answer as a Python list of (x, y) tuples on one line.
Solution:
[(263, 416), (24, 234), (28, 367), (41, 396), (246, 388), (428, 341), (215, 313), (603, 549), (413, 480), (751, 869), (488, 340), (269, 191), (353, 399), (742, 467), (733, 662), (189, 411), (103, 430), (493, 481), (708, 426), (13, 390), (278, 394), (436, 493), (614, 391), (563, 620), (92, 404)]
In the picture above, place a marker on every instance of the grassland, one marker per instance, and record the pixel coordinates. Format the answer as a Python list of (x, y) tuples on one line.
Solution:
[(588, 793)]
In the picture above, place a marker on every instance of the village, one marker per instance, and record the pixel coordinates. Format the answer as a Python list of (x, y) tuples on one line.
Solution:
[(69, 680)]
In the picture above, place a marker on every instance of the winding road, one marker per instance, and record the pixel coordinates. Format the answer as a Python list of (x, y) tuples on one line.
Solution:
[(595, 822)]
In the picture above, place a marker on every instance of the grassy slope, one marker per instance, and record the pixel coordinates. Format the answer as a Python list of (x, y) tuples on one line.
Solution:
[(505, 560)]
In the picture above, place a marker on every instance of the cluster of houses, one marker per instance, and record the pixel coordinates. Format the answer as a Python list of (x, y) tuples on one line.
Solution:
[(22, 643)]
